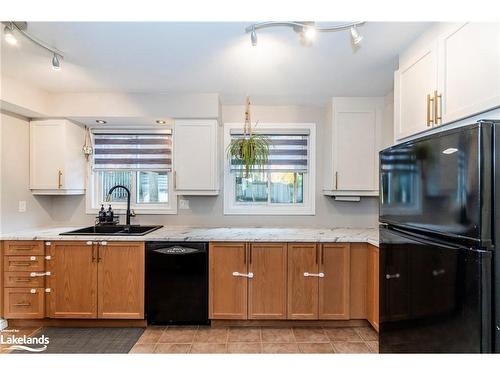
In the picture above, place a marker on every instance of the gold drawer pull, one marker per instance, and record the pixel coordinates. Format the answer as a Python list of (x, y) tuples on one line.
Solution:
[(21, 264), (23, 248), (38, 274), (22, 280), (22, 304)]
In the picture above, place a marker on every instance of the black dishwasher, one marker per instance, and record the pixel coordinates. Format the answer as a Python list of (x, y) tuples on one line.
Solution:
[(177, 283)]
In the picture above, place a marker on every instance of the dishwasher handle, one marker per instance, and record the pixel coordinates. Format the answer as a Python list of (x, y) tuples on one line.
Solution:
[(178, 250)]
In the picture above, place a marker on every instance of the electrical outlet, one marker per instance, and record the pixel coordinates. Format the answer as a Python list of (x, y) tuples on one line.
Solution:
[(3, 324), (183, 204), (22, 206)]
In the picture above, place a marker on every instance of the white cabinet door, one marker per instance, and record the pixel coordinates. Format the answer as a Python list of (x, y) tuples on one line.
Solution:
[(355, 142), (469, 70), (57, 163), (46, 155), (195, 157), (414, 80)]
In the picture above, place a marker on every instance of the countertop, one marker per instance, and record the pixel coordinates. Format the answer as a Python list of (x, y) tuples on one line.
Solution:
[(192, 234)]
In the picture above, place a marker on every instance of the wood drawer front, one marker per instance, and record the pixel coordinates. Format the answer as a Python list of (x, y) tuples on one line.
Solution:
[(31, 263), (23, 280), (24, 248), (24, 303)]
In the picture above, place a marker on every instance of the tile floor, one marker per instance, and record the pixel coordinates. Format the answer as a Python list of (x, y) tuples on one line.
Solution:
[(257, 340)]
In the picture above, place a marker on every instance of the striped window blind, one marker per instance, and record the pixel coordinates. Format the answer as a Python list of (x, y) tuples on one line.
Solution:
[(287, 153), (132, 151)]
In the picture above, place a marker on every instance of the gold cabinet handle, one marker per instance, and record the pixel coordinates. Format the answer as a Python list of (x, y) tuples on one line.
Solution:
[(22, 304), (59, 179), (438, 107), (430, 118)]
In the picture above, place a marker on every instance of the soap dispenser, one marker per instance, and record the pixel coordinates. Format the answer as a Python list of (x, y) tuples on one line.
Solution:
[(102, 214), (110, 216)]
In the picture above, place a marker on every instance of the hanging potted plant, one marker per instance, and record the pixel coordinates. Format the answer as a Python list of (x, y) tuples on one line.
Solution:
[(252, 149)]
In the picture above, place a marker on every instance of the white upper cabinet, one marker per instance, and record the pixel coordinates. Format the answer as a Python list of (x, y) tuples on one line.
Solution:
[(469, 70), (352, 143), (57, 163), (195, 157), (450, 73), (414, 82)]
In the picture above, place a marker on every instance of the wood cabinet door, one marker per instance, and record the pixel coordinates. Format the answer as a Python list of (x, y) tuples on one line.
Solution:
[(228, 281), (72, 280), (334, 284), (372, 297), (415, 79), (267, 288), (303, 267), (121, 280), (469, 73)]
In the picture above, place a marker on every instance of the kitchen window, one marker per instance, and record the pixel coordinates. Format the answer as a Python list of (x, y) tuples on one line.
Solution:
[(137, 159), (285, 186)]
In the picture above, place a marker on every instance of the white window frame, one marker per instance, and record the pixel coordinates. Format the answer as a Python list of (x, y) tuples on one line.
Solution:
[(93, 200), (308, 207)]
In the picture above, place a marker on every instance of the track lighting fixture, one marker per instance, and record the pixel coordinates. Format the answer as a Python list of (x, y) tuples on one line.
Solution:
[(253, 37), (8, 34), (101, 122), (355, 37), (306, 29), (56, 64), (161, 122), (21, 28)]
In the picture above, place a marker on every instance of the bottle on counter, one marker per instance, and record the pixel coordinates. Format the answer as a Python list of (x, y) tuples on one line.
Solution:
[(110, 216), (102, 214)]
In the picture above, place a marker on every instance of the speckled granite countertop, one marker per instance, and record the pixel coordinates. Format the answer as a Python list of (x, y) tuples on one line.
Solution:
[(177, 233)]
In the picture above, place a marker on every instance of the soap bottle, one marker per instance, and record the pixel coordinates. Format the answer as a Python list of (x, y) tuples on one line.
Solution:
[(102, 214), (110, 215)]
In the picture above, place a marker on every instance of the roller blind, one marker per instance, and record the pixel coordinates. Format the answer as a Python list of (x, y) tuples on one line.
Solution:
[(132, 151), (288, 152)]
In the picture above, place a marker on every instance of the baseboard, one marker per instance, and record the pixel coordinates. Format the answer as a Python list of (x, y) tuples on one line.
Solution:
[(290, 323), (77, 323), (3, 324)]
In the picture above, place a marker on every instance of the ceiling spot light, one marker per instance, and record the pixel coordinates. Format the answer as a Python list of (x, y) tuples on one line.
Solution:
[(253, 37), (101, 122), (56, 64), (355, 37), (161, 122), (8, 34)]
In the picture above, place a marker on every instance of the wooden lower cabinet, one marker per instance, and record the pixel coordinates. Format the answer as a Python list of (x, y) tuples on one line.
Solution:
[(120, 280), (228, 284), (96, 279), (372, 298), (303, 286), (334, 264), (72, 280), (24, 303), (267, 288)]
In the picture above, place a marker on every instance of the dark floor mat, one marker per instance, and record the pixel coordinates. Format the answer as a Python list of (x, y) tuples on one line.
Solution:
[(88, 340)]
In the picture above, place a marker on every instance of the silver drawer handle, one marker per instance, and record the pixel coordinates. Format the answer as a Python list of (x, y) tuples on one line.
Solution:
[(37, 274), (438, 272), (395, 276), (307, 274), (249, 275)]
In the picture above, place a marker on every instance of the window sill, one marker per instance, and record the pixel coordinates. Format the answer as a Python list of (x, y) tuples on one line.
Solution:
[(138, 211), (269, 211)]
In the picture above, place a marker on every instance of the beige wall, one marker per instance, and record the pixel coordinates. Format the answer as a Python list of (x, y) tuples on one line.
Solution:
[(14, 182), (208, 211)]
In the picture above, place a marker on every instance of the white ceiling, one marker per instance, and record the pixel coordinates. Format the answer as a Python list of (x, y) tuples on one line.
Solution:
[(201, 57)]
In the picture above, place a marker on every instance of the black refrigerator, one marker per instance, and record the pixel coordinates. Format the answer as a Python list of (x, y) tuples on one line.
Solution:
[(439, 239)]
